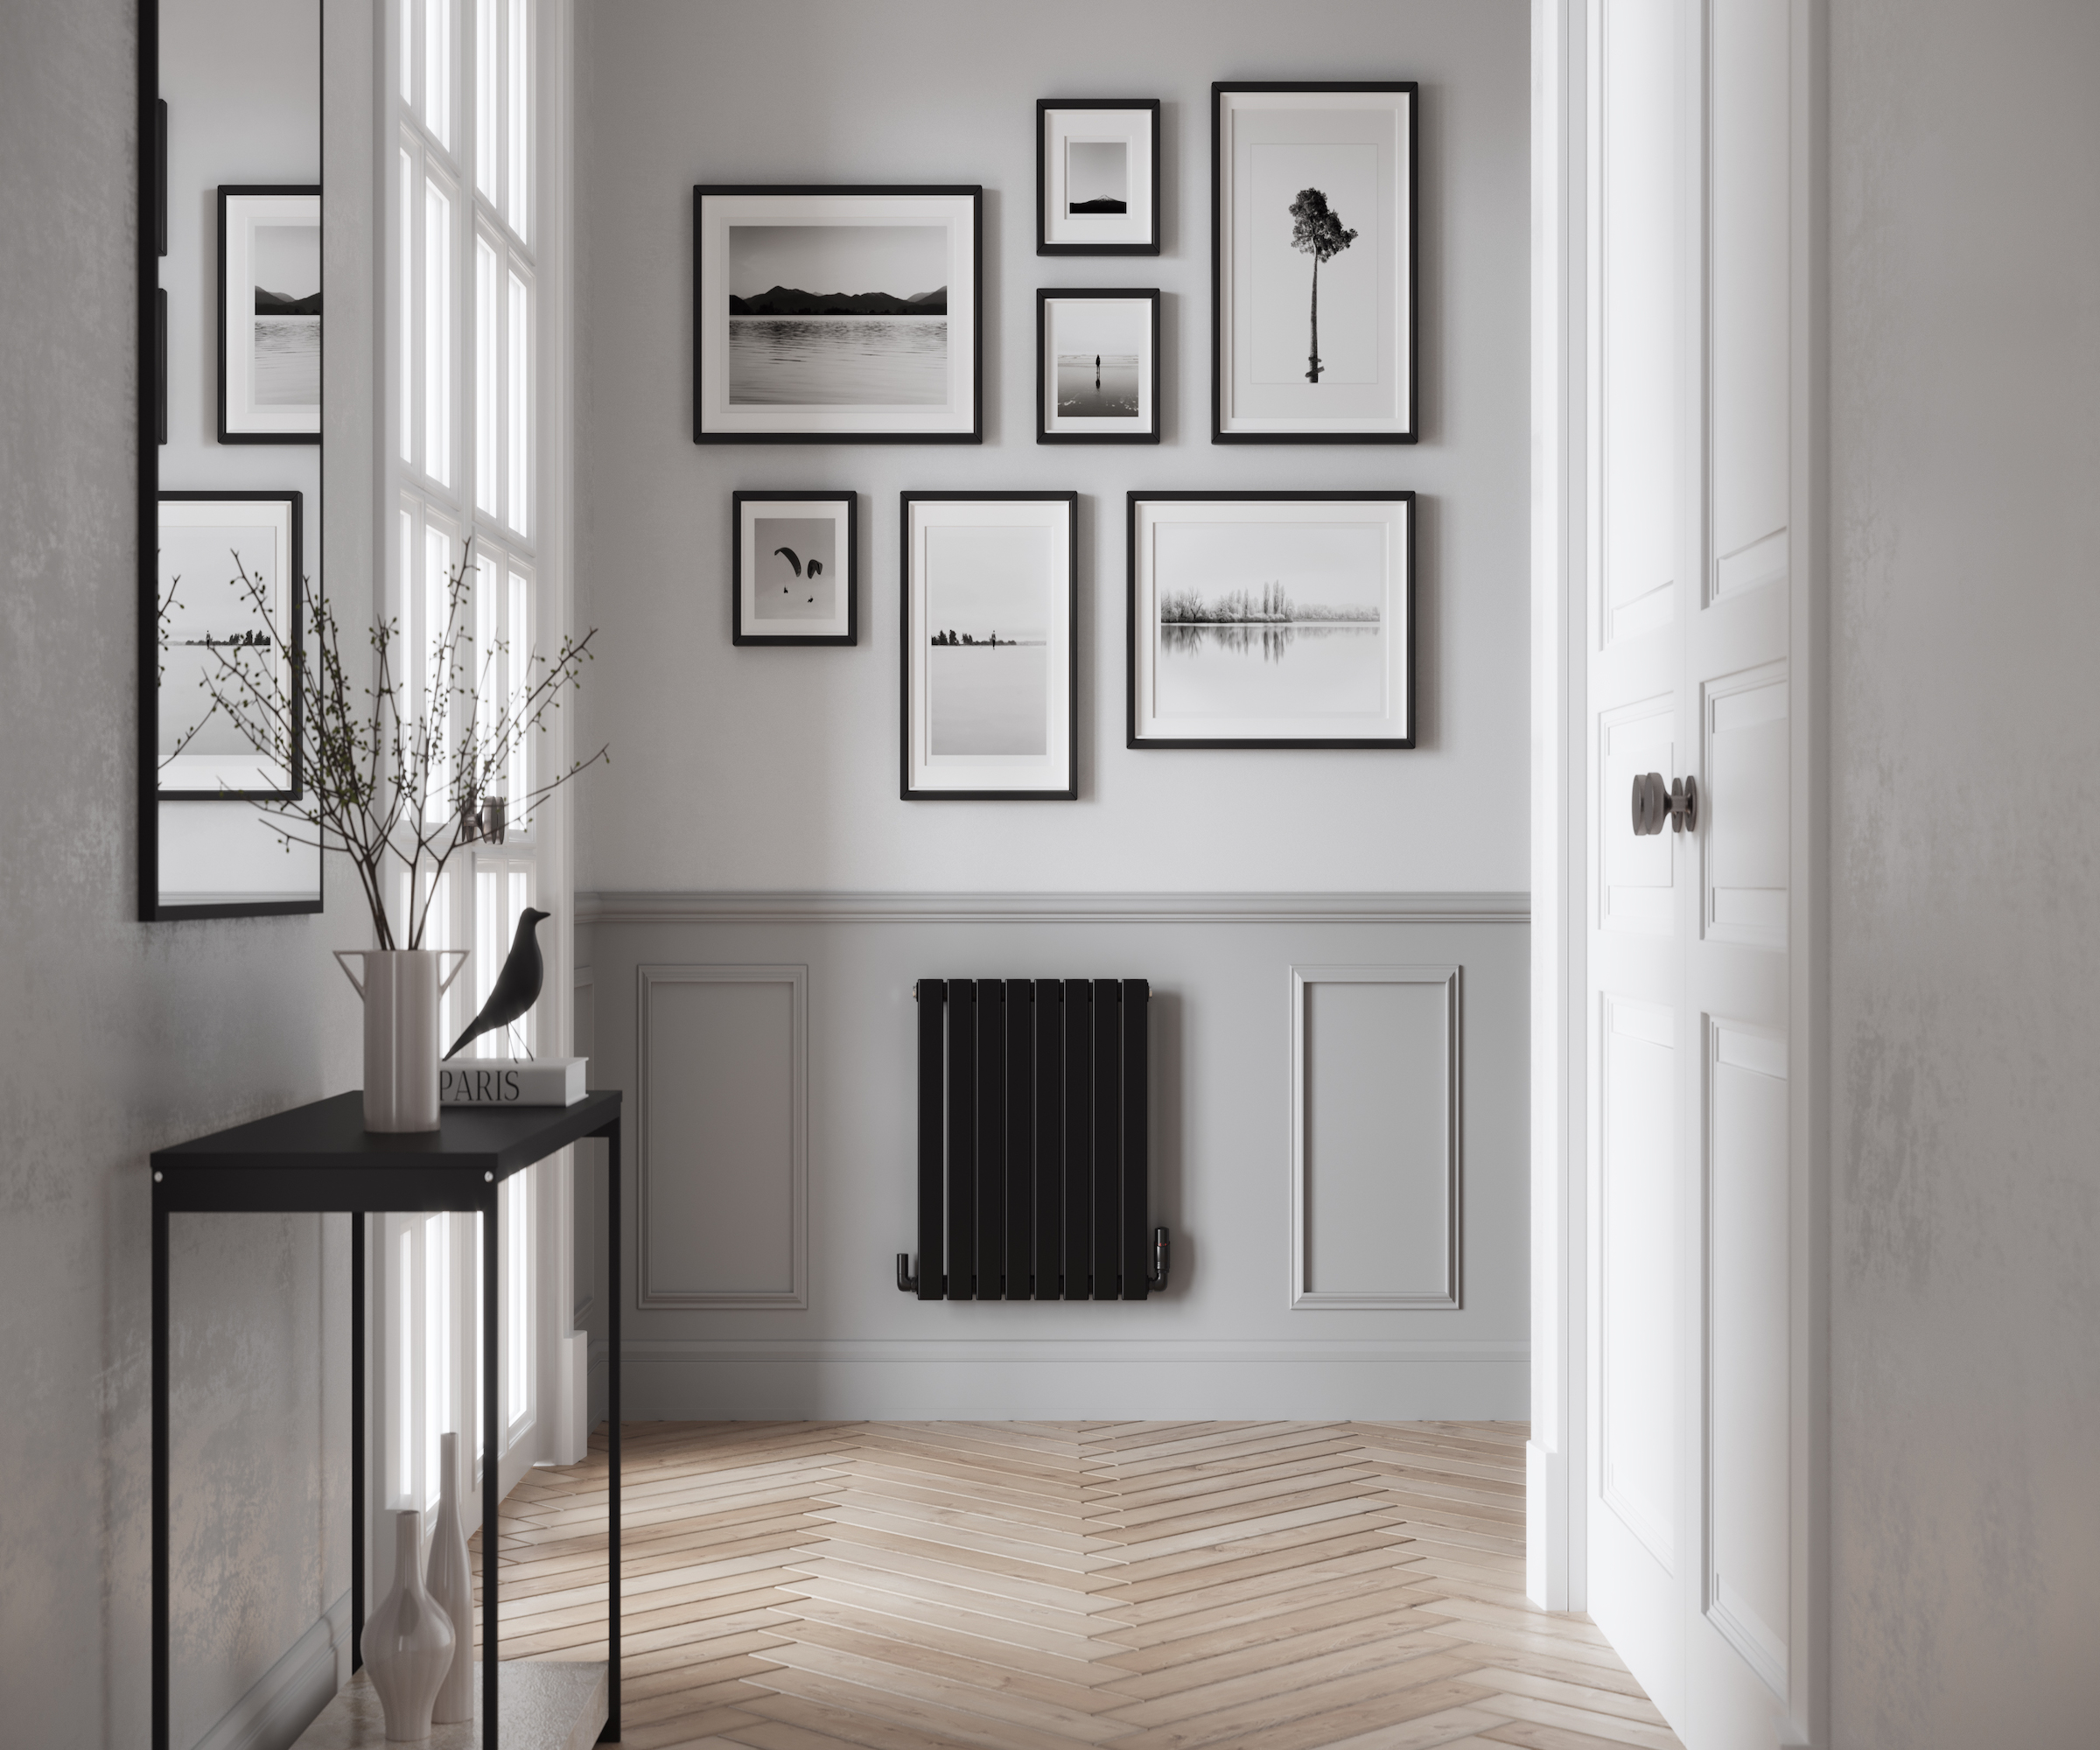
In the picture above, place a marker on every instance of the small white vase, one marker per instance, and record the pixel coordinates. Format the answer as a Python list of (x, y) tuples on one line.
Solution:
[(409, 1640), (401, 988), (452, 1584)]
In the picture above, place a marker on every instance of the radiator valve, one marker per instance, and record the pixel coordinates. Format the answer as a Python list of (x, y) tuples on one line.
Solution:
[(1156, 1280)]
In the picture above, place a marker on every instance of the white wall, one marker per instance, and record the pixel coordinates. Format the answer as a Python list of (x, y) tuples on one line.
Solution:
[(117, 1037), (770, 768), (1965, 1303), (765, 771)]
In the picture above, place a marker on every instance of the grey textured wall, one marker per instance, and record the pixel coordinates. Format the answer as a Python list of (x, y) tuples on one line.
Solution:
[(1965, 1307), (115, 1036), (768, 768)]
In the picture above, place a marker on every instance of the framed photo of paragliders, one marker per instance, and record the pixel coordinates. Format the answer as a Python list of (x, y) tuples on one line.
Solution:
[(794, 571), (1313, 262)]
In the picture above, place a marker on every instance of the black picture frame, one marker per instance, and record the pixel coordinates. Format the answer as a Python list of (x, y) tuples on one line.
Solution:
[(1043, 108), (741, 632), (228, 193), (294, 592), (1408, 240), (1406, 583), (908, 589), (841, 432), (1046, 295)]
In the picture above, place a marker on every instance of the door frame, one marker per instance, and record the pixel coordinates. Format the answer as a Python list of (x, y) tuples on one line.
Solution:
[(1556, 1493)]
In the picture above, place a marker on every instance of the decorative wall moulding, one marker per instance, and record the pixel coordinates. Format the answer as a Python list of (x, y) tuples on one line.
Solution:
[(1002, 1352), (1195, 908)]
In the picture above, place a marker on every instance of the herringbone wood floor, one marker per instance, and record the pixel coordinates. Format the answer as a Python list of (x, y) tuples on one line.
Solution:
[(1211, 1586)]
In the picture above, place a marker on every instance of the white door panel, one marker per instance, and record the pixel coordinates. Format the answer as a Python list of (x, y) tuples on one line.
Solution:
[(1746, 758)]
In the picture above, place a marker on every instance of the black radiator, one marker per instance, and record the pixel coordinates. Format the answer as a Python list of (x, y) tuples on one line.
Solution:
[(1033, 1156)]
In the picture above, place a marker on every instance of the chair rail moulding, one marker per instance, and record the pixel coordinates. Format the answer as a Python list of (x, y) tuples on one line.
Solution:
[(721, 1137), (1103, 908), (644, 1351)]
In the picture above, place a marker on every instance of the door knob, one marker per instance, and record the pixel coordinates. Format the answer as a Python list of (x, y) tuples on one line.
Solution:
[(1653, 804)]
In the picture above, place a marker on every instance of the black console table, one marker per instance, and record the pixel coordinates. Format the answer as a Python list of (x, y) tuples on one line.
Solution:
[(318, 1158)]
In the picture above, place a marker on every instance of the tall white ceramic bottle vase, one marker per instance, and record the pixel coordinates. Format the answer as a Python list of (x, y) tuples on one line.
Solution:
[(451, 1585), (409, 1640)]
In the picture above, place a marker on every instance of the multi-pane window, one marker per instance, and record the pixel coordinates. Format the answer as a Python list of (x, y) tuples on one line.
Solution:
[(465, 485)]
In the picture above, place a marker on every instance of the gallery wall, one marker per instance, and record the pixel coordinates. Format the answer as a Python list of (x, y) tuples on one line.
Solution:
[(748, 841), (1965, 945), (118, 1037)]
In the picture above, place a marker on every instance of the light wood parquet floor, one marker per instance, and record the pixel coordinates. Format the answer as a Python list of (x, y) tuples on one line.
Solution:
[(1213, 1585)]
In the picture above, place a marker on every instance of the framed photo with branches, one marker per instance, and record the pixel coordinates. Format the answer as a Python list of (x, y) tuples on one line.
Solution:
[(1312, 262)]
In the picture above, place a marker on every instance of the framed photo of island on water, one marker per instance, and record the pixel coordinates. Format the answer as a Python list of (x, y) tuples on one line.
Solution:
[(1284, 619), (830, 314), (1096, 176), (1096, 367), (269, 314), (1313, 263), (794, 569), (991, 668)]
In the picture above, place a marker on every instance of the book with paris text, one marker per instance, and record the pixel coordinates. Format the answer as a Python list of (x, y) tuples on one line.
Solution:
[(509, 1082)]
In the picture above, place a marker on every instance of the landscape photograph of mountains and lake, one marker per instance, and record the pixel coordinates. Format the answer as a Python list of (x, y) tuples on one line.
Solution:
[(285, 263), (838, 315), (1097, 176), (1275, 621)]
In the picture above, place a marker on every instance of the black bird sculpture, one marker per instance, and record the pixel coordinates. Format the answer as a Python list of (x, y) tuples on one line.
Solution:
[(517, 986)]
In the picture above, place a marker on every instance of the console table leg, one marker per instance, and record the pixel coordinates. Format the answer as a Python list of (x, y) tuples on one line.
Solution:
[(357, 1440), (160, 1465), (613, 1246), (492, 1464)]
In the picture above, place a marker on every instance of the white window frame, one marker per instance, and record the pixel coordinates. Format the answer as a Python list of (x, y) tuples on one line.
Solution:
[(512, 215)]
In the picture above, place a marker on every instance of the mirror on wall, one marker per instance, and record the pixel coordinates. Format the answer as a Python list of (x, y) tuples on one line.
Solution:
[(230, 440)]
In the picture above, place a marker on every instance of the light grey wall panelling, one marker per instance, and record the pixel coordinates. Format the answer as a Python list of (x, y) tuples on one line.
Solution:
[(721, 1135), (1224, 1339), (742, 769), (1377, 1142), (587, 1180)]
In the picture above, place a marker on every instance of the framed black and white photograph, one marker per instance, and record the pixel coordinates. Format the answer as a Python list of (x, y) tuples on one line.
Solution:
[(269, 314), (823, 314), (1313, 263), (1096, 176), (793, 568), (1284, 619), (991, 668), (1096, 367), (229, 601)]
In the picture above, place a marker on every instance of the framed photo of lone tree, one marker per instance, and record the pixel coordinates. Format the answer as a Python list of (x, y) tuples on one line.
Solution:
[(991, 668), (826, 314), (1283, 619), (793, 568), (1312, 262)]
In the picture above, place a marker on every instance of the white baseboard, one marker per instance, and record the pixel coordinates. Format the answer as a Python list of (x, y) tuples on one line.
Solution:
[(287, 1696), (1072, 1381)]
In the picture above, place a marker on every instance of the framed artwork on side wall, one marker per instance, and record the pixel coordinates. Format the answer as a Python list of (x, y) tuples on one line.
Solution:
[(991, 668), (269, 314), (1313, 263), (795, 569), (1097, 176), (826, 314), (1096, 367), (1280, 620)]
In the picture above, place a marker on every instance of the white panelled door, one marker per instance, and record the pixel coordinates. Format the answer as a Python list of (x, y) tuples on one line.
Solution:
[(1697, 1491)]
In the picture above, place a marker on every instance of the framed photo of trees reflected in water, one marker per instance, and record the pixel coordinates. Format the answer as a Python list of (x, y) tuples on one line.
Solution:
[(1285, 619), (991, 681)]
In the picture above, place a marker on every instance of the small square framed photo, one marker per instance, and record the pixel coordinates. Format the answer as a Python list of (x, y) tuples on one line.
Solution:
[(1097, 176), (269, 314), (1313, 263), (1285, 619), (1096, 367), (837, 315), (794, 569), (991, 667)]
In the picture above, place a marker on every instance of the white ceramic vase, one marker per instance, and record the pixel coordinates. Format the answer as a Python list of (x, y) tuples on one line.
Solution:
[(401, 987), (452, 1584), (409, 1640)]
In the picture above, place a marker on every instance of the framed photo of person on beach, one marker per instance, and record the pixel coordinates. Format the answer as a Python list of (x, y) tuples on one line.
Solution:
[(1312, 271), (991, 681), (1278, 620), (837, 314), (1096, 367), (269, 314), (1097, 176), (794, 568)]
